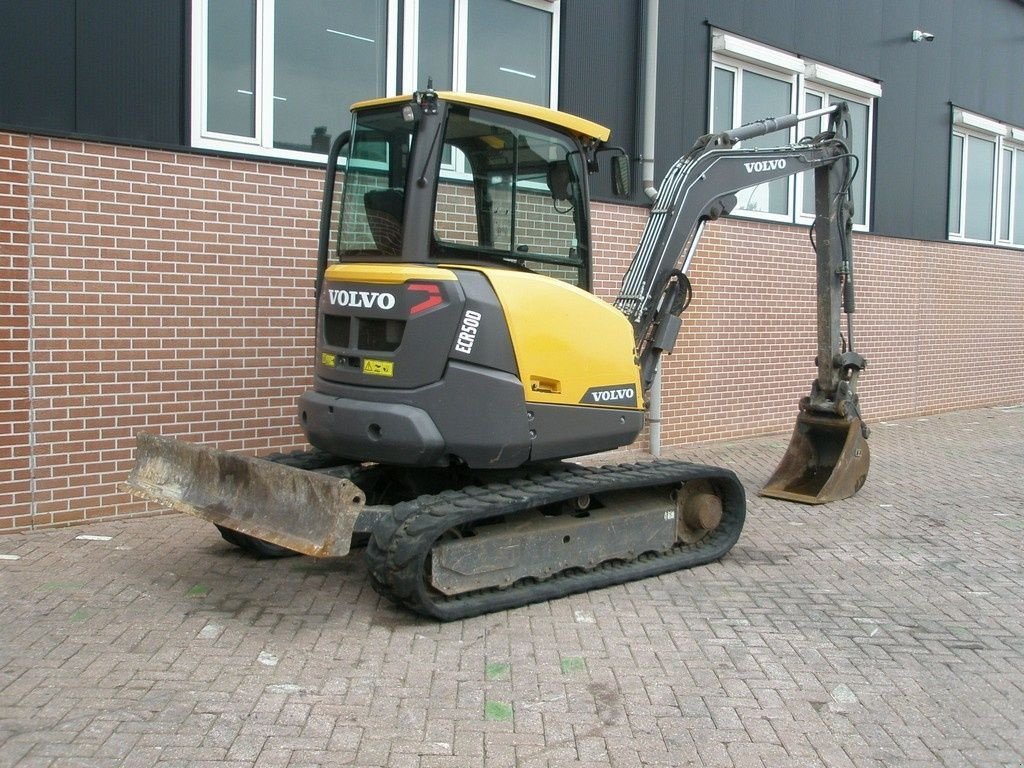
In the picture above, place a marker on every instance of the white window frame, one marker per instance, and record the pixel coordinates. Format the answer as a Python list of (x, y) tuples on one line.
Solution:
[(262, 144), (1007, 138), (738, 55), (864, 166), (457, 171), (1015, 145), (460, 36), (739, 69)]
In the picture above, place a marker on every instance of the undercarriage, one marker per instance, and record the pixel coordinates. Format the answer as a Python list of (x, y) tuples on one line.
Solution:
[(454, 543)]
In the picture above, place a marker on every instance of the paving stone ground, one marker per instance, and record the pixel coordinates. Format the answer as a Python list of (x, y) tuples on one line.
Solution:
[(884, 630)]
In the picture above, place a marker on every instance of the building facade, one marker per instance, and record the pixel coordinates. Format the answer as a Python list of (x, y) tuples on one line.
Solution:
[(160, 170)]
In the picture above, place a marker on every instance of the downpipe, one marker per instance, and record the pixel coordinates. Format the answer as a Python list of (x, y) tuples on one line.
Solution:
[(654, 419), (650, 76)]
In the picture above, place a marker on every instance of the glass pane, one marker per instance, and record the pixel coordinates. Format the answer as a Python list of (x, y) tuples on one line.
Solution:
[(509, 51), (764, 96), (374, 191), (435, 49), (956, 163), (721, 111), (1004, 196), (859, 117), (812, 101), (231, 67), (981, 167), (327, 55), (523, 202), (1018, 197)]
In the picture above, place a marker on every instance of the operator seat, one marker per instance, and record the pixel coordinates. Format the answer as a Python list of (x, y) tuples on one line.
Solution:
[(384, 214)]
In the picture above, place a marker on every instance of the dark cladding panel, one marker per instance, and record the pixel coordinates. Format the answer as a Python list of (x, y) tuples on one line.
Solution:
[(599, 68), (37, 64), (988, 70), (130, 65), (683, 72), (974, 62), (835, 32)]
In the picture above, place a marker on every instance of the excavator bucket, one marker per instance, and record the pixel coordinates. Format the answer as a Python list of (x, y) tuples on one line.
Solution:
[(307, 512), (827, 460)]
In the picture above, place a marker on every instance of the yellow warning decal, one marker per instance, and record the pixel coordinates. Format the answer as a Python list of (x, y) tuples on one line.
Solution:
[(378, 367), (326, 358)]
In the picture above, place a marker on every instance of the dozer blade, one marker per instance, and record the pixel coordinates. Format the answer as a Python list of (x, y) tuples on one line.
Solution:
[(827, 460), (307, 512)]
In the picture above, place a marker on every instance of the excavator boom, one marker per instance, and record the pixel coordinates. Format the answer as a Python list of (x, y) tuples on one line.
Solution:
[(828, 455)]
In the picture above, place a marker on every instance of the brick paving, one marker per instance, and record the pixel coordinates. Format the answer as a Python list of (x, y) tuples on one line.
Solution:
[(884, 630)]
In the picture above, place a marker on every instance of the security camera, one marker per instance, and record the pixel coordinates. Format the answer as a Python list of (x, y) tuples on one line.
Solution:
[(917, 36)]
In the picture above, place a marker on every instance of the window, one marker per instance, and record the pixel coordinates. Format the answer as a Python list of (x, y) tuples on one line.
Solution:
[(986, 184), (750, 81), (520, 203), (506, 48), (817, 96), (276, 77), (743, 94)]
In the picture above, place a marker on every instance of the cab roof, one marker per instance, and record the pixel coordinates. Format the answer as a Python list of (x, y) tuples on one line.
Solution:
[(585, 130)]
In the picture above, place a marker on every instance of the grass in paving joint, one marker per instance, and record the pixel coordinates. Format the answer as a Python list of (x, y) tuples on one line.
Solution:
[(572, 664), (498, 671), (497, 710)]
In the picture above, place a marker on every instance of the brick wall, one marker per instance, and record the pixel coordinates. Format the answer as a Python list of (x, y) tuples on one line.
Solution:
[(161, 291), (170, 293), (938, 323), (15, 423)]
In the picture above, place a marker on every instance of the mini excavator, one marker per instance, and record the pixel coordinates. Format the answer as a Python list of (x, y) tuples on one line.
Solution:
[(461, 360)]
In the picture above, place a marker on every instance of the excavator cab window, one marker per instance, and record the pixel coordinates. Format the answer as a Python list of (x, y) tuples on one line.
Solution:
[(368, 211), (504, 190), (511, 192)]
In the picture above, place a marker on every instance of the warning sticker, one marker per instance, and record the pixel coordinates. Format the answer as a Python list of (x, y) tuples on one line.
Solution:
[(378, 367)]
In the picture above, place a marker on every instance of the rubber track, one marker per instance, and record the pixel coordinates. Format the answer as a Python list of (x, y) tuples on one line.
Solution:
[(311, 461), (399, 547)]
